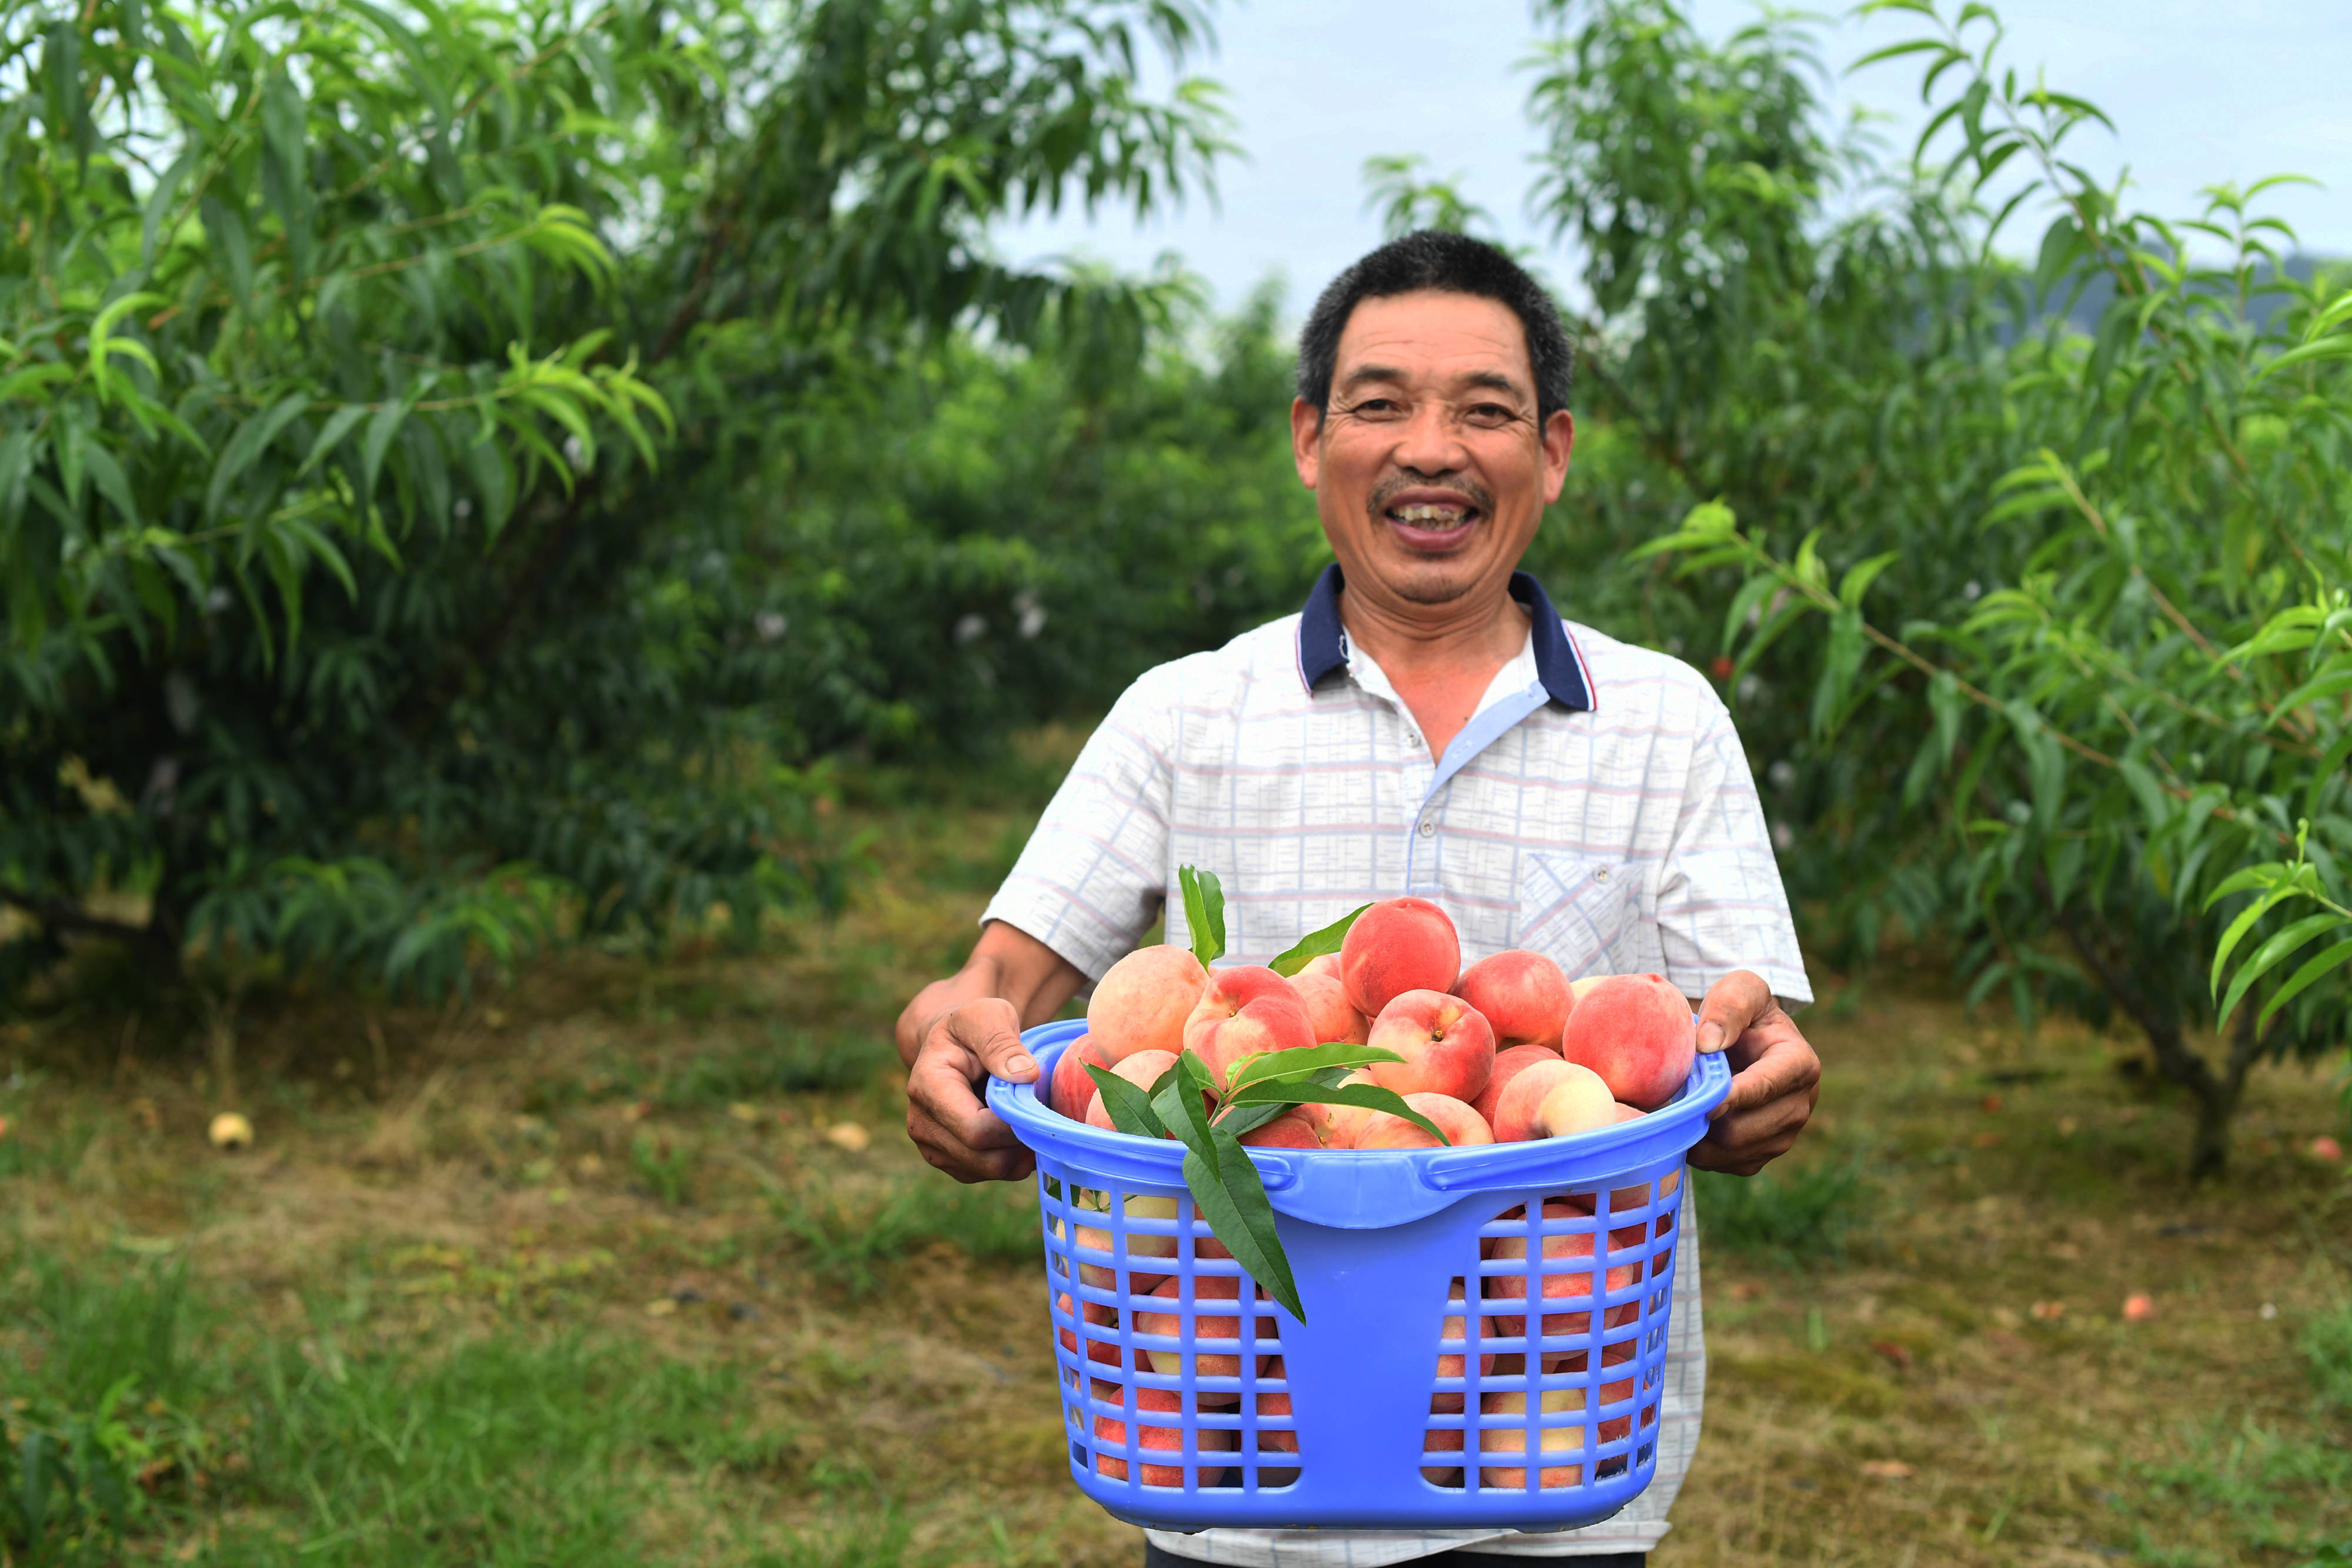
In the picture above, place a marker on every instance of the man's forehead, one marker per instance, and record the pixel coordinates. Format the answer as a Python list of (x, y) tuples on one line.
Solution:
[(1434, 336)]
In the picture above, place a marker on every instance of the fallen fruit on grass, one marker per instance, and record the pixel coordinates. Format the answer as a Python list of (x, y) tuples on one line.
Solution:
[(1463, 1127), (1142, 1003), (1523, 995), (2138, 1309), (2323, 1147), (1396, 946), (1635, 1031), (1508, 1064), (848, 1135), (1446, 1044), (1500, 1440), (1241, 1011), (230, 1132), (1072, 1091), (1143, 1069)]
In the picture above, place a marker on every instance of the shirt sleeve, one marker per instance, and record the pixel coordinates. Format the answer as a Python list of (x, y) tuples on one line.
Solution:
[(1721, 903), (1094, 875)]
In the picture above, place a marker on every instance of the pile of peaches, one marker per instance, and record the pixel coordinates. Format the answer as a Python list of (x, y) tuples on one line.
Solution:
[(1507, 1051)]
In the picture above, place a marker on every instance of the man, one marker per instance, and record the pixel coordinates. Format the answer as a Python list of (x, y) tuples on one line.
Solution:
[(1427, 725)]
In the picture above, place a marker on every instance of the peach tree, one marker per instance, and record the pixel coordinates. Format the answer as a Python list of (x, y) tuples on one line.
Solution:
[(2114, 761), (376, 382)]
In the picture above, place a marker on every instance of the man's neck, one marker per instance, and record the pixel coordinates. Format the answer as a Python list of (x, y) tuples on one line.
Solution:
[(1440, 658)]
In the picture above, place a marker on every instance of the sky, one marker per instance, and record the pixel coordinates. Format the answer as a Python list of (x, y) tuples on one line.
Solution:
[(2201, 93)]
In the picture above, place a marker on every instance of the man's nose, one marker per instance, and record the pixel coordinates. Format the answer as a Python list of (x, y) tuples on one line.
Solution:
[(1431, 441)]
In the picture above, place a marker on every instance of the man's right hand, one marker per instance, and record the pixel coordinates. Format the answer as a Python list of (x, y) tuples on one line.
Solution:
[(959, 1031)]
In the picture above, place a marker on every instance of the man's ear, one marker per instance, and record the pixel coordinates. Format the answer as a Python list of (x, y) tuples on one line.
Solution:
[(1558, 440), (1307, 440)]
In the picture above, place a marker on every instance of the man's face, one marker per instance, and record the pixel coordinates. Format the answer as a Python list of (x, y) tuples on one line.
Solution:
[(1430, 469)]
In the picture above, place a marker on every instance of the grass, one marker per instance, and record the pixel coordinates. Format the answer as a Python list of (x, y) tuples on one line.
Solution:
[(601, 1271)]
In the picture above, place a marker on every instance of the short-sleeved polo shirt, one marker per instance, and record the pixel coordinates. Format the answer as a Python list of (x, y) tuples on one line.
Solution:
[(1598, 808)]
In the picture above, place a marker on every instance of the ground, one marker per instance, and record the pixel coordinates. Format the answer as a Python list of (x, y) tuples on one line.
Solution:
[(629, 1261)]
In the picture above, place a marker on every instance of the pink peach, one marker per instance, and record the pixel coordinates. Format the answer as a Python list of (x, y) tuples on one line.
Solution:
[(1456, 1332), (1241, 1011), (1447, 1047), (1143, 1002), (1461, 1126), (1330, 1017), (1288, 1131), (1399, 944), (1523, 995), (1337, 1125), (1143, 1069), (1073, 1090), (1525, 1108), (1559, 1284), (1322, 964), (1207, 1329), (1503, 1440), (1110, 1431), (1635, 1030), (1508, 1064)]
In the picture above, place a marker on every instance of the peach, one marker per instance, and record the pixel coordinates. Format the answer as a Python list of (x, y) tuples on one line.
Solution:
[(1143, 1069), (1142, 1003), (1635, 1031), (1321, 964), (1456, 1332), (1559, 1284), (1277, 1439), (1447, 1047), (1399, 944), (1111, 1432), (1329, 1015), (1207, 1328), (1507, 1066), (1073, 1090), (1526, 1108), (1441, 1440), (1337, 1125), (1501, 1440), (1103, 1350), (1241, 1011), (1461, 1126), (1288, 1131), (1140, 1243), (1523, 995)]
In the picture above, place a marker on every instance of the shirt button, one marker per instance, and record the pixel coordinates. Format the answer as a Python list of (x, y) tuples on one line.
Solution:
[(1428, 827)]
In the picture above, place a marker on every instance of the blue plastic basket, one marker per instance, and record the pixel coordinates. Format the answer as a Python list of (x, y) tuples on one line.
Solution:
[(1184, 1412)]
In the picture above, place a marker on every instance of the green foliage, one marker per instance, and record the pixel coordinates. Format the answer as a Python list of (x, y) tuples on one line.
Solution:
[(2326, 1343), (2040, 630), (377, 391), (851, 1240)]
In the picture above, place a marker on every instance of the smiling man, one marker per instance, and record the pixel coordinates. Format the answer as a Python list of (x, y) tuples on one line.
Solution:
[(1426, 724)]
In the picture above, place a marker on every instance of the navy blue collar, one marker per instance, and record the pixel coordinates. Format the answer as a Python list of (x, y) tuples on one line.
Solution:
[(1560, 664)]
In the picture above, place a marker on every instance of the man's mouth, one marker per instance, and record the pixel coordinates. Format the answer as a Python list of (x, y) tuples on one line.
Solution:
[(1431, 525)]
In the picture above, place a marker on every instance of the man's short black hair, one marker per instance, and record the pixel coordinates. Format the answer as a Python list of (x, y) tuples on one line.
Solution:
[(1453, 264)]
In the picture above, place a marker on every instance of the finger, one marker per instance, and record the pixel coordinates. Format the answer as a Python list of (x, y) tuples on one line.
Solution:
[(941, 1086), (947, 1151), (1732, 1004), (991, 1030), (1785, 1065)]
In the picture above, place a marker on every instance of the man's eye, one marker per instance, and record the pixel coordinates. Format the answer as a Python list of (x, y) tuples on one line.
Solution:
[(1377, 405), (1489, 414)]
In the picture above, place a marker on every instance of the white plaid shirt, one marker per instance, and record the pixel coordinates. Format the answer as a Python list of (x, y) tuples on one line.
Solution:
[(1598, 808)]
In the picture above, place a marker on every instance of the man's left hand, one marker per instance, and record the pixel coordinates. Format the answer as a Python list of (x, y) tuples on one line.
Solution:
[(1775, 1076)]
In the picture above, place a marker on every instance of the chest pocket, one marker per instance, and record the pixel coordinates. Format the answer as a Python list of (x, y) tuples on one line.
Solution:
[(1585, 915)]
